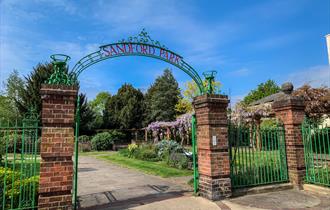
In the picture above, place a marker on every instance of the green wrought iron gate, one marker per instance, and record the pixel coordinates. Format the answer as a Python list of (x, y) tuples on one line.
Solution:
[(194, 151), (317, 153), (257, 156), (76, 153), (19, 163)]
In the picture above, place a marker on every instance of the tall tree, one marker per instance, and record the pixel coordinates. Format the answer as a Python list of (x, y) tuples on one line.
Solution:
[(190, 91), (161, 98), (98, 105), (14, 88), (87, 116), (30, 96), (125, 109), (7, 110), (263, 90)]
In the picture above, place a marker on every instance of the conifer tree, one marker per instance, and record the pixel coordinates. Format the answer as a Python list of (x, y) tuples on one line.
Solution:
[(161, 98)]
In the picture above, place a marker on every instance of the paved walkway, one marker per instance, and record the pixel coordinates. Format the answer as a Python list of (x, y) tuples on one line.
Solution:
[(103, 185)]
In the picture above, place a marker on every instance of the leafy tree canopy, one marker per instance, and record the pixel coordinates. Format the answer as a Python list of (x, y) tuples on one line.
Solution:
[(263, 90), (161, 98), (98, 104), (125, 109), (317, 100), (30, 96), (191, 89), (87, 116)]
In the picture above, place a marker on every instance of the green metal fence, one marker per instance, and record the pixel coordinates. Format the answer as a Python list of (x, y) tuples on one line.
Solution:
[(194, 151), (317, 153), (76, 151), (19, 164), (257, 156)]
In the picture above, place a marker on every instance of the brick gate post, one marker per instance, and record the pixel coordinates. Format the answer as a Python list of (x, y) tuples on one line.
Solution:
[(57, 143), (291, 111), (212, 146)]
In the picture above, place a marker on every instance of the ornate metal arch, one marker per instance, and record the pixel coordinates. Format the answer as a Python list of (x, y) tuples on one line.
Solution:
[(140, 45)]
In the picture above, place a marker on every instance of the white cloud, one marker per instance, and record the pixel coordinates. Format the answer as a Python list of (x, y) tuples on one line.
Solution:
[(240, 72), (315, 76)]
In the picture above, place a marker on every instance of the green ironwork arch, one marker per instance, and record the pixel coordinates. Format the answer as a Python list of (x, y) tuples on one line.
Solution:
[(140, 45)]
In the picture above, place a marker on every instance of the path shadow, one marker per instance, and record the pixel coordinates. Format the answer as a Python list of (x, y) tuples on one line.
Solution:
[(86, 169), (127, 198)]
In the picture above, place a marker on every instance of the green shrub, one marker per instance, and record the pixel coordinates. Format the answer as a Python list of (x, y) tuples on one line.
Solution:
[(124, 152), (84, 139), (102, 141), (117, 135), (178, 160), (142, 152), (146, 154), (13, 188), (165, 147)]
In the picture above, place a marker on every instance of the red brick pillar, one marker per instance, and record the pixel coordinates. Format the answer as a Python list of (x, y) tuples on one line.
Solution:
[(57, 143), (290, 110), (212, 146)]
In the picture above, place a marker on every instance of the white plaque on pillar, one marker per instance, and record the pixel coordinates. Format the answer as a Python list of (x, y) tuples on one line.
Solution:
[(214, 140)]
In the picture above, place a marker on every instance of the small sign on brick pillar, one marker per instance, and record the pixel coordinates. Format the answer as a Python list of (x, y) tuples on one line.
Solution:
[(212, 146), (57, 143), (290, 110)]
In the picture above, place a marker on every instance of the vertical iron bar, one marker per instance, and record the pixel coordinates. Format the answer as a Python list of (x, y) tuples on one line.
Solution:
[(325, 158), (35, 145), (76, 153), (21, 166), (6, 167), (14, 166), (193, 135)]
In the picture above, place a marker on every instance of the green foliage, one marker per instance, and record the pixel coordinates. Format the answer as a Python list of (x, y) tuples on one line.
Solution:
[(178, 160), (125, 109), (98, 106), (7, 109), (102, 141), (268, 123), (142, 152), (183, 106), (161, 98), (30, 95), (158, 168), (13, 185), (191, 89), (263, 90), (131, 149), (87, 116), (167, 151), (84, 139), (105, 140), (166, 147)]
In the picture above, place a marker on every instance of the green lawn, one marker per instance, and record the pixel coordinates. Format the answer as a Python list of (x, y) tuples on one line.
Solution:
[(154, 168)]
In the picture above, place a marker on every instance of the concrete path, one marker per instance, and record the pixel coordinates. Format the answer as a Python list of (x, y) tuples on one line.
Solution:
[(102, 185), (286, 199)]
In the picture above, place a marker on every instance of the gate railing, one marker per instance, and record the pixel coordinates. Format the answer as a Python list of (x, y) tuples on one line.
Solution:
[(257, 156), (316, 139), (19, 164), (76, 150), (194, 151)]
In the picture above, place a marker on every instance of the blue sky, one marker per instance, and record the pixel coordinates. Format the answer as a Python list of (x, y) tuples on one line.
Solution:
[(247, 42)]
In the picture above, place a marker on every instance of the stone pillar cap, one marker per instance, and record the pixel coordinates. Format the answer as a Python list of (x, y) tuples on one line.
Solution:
[(287, 88)]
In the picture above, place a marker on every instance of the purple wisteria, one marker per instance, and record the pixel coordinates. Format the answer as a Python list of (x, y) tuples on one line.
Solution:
[(180, 128)]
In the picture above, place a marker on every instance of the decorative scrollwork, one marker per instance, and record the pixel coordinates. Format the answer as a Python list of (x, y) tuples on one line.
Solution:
[(60, 76), (143, 38)]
